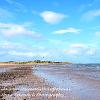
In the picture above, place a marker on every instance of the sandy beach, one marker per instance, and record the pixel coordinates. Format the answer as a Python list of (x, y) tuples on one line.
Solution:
[(49, 82)]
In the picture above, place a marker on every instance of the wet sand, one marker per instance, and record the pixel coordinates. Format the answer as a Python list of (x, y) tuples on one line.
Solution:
[(48, 82)]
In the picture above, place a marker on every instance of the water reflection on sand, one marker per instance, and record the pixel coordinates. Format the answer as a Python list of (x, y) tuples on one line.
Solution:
[(77, 82), (81, 81)]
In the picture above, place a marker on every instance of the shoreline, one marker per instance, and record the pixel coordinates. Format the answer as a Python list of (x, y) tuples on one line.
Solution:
[(24, 79)]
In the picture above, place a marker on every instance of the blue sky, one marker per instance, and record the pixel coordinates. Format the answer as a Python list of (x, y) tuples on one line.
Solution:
[(55, 30)]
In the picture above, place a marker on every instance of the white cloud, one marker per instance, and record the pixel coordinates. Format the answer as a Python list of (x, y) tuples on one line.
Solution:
[(81, 50), (9, 45), (98, 33), (56, 42), (91, 51), (26, 54), (22, 50), (9, 30), (90, 15), (52, 17), (71, 51), (68, 30), (6, 45), (29, 54), (78, 45)]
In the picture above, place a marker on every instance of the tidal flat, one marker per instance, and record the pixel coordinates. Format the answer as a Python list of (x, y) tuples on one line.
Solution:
[(50, 82)]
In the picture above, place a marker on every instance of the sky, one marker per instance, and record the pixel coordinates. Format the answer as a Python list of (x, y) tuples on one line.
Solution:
[(55, 30)]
